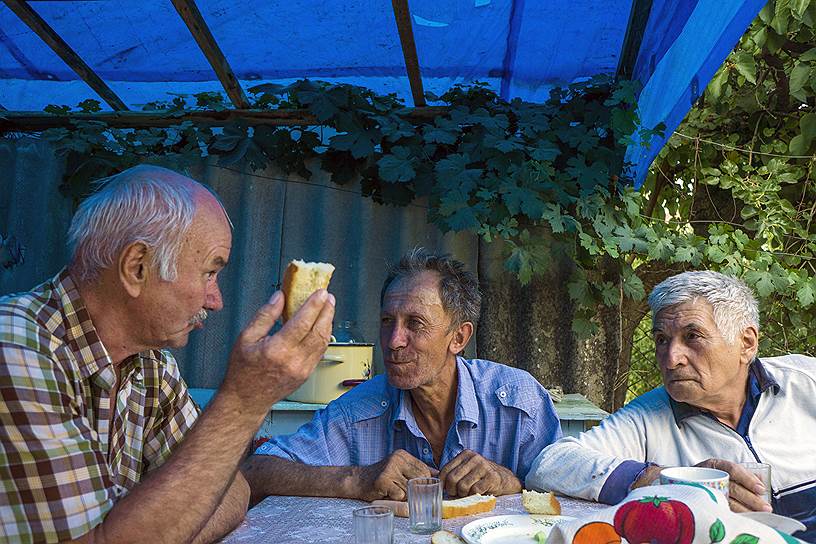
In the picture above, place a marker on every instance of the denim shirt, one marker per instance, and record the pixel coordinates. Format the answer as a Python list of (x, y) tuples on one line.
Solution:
[(501, 413)]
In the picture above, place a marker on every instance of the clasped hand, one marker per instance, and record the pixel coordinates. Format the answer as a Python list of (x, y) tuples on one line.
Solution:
[(466, 474)]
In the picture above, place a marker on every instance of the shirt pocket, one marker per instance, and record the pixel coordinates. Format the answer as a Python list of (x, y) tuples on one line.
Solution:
[(521, 397)]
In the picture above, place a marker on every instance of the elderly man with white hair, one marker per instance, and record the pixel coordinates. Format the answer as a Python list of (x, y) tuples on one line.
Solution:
[(719, 406), (99, 439)]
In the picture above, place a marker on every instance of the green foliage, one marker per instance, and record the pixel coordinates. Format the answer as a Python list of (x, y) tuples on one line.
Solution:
[(529, 176), (740, 181), (549, 179), (750, 200)]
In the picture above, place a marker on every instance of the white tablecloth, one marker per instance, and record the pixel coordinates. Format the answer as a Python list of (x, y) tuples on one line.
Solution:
[(296, 520)]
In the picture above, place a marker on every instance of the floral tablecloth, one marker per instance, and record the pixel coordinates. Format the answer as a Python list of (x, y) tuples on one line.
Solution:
[(296, 520)]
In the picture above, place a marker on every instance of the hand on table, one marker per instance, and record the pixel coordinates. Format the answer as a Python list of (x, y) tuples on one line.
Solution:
[(388, 479), (745, 489), (470, 473)]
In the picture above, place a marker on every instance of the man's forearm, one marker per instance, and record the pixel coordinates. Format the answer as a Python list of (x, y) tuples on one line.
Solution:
[(270, 475), (204, 463), (229, 513)]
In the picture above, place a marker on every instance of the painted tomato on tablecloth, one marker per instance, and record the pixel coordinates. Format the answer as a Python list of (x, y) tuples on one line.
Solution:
[(655, 520)]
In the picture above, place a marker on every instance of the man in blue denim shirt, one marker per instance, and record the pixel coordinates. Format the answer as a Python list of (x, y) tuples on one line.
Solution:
[(476, 424)]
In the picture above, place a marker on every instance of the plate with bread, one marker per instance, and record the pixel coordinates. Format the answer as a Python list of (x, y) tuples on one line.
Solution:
[(544, 514)]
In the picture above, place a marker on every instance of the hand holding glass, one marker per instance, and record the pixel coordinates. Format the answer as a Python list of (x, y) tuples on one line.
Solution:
[(763, 472)]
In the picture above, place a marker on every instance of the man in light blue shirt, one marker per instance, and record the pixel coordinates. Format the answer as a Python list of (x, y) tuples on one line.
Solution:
[(476, 424)]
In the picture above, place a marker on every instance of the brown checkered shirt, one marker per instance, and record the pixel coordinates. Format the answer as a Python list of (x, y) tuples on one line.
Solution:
[(58, 478)]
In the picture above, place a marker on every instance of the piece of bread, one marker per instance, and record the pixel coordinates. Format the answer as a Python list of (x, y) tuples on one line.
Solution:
[(400, 508), (451, 508), (445, 537), (300, 280), (466, 506), (540, 503)]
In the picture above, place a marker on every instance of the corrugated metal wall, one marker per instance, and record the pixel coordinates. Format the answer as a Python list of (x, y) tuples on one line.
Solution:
[(276, 219)]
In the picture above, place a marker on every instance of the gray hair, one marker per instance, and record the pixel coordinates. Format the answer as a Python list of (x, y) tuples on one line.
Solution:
[(145, 204), (458, 288), (734, 305)]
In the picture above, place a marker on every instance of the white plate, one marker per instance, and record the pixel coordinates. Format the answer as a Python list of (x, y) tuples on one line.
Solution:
[(782, 523), (505, 529)]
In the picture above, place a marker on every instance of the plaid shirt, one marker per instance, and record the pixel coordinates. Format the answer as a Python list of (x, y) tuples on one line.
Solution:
[(62, 464)]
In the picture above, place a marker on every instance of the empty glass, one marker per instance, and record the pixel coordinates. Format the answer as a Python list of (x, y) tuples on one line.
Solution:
[(763, 472), (373, 525), (425, 505)]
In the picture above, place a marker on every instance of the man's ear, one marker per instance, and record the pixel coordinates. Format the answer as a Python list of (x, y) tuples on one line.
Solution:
[(461, 337), (134, 265), (750, 344)]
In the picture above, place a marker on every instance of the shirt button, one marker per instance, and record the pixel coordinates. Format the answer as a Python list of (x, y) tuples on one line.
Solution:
[(503, 394), (384, 403), (425, 451)]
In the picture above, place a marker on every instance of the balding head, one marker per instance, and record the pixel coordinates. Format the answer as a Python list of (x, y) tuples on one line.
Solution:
[(145, 204)]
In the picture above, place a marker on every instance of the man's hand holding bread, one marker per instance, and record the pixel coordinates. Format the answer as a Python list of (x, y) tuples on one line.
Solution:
[(263, 369)]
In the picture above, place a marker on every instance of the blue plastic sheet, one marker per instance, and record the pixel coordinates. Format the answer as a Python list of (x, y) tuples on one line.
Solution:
[(521, 48)]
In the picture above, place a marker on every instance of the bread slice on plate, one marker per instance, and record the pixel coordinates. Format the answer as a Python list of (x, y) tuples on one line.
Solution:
[(540, 503), (300, 280), (467, 506)]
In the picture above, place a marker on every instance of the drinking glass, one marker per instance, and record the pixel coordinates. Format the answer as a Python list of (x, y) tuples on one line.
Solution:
[(425, 505), (763, 472), (373, 525)]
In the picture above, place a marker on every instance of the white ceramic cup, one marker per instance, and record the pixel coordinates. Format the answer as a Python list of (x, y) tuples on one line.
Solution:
[(711, 478)]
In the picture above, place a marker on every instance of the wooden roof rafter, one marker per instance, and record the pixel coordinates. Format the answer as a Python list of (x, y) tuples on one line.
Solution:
[(34, 121), (406, 33), (635, 30), (47, 34), (191, 15)]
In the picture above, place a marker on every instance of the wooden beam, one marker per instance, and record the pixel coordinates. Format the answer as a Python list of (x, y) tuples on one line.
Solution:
[(638, 18), (406, 33), (35, 121), (47, 34), (206, 42)]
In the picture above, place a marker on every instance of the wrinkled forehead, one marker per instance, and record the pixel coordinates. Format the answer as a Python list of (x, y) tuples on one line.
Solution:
[(696, 312), (417, 290)]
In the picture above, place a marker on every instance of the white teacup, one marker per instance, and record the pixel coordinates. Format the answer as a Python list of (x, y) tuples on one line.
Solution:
[(711, 478)]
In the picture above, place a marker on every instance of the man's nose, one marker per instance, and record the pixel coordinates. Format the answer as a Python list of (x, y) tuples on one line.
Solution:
[(213, 300), (397, 339), (673, 355)]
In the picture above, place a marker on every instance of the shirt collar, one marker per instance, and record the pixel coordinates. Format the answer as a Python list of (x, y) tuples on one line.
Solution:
[(467, 406), (80, 333), (759, 381), (763, 379)]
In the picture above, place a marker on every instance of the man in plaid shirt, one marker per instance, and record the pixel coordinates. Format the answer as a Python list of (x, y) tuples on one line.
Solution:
[(99, 439)]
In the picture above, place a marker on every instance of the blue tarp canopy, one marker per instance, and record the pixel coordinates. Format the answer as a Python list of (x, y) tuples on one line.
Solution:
[(144, 51)]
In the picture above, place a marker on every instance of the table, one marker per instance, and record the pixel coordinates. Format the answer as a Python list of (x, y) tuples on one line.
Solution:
[(300, 520), (575, 411)]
